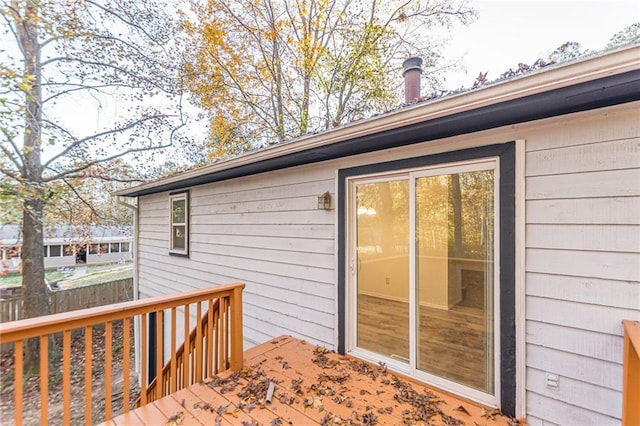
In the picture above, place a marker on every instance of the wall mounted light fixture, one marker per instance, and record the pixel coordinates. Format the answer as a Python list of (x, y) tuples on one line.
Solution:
[(324, 201)]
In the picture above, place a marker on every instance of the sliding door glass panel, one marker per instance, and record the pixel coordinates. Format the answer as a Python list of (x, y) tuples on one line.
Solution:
[(454, 257), (382, 258)]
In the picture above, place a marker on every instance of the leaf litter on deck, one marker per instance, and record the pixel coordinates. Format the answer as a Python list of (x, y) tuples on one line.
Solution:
[(251, 385)]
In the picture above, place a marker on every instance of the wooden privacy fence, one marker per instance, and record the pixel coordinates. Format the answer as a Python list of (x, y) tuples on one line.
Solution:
[(631, 374), (213, 345), (72, 299), (10, 309)]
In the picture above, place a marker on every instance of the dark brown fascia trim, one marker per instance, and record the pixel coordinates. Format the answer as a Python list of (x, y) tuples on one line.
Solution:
[(608, 91)]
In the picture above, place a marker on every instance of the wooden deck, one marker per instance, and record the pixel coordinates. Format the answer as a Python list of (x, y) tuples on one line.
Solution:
[(312, 386)]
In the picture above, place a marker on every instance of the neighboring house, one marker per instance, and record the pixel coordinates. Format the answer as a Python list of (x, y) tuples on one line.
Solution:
[(486, 242), (66, 246)]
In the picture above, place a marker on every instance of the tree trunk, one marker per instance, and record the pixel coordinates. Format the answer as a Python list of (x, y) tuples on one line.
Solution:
[(388, 234), (456, 200), (34, 290), (304, 110)]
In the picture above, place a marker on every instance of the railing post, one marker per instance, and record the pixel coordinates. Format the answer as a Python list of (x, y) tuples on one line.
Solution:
[(631, 374), (237, 352)]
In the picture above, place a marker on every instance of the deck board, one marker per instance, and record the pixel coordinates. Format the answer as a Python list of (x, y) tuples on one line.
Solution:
[(149, 414), (313, 386), (198, 409), (130, 418)]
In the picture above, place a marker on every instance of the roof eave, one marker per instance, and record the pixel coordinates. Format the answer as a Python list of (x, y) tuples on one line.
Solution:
[(595, 82)]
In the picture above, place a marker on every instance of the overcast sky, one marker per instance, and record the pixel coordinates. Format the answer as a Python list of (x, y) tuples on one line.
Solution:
[(511, 31)]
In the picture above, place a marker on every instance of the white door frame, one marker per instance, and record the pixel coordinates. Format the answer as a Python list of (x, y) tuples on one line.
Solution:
[(484, 163)]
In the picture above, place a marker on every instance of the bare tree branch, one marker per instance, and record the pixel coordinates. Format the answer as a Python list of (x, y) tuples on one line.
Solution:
[(13, 156), (112, 66), (80, 87), (92, 163), (81, 198), (95, 136), (128, 22)]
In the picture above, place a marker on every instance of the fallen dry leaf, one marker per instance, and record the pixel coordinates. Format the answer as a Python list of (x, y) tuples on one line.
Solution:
[(461, 408), (233, 413), (176, 419), (491, 414)]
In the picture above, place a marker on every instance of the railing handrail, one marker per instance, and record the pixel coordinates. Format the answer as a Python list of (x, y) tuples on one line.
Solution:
[(56, 323)]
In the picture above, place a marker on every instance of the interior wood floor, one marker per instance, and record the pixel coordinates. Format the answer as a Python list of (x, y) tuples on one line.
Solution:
[(452, 342), (311, 386)]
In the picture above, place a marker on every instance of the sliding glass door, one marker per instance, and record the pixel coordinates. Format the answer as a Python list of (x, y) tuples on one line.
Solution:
[(423, 284), (382, 259)]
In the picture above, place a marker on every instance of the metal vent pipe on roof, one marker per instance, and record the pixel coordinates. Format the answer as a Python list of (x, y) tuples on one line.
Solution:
[(412, 71)]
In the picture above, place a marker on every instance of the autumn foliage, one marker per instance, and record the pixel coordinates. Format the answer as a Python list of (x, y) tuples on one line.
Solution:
[(268, 70)]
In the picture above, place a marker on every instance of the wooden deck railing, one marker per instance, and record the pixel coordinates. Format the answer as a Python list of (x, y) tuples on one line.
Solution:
[(173, 376), (214, 344), (631, 374)]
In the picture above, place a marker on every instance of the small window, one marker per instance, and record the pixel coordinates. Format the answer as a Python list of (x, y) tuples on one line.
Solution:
[(13, 252), (124, 247), (45, 251), (179, 240), (54, 251), (94, 249), (67, 250), (115, 247)]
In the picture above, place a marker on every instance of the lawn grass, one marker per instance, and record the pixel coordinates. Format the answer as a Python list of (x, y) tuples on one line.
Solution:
[(123, 272), (15, 280), (95, 274)]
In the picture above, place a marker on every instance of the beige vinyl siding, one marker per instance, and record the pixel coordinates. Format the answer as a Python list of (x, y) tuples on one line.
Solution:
[(584, 211), (582, 264), (264, 231), (582, 255)]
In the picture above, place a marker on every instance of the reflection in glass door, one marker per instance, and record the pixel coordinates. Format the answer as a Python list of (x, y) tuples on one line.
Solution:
[(454, 277), (382, 257), (423, 293)]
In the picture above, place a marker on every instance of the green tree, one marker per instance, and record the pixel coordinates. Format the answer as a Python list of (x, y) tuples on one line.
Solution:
[(631, 34), (120, 52), (568, 51), (267, 70)]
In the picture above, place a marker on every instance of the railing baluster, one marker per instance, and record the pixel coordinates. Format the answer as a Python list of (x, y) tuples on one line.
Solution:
[(205, 354), (17, 379), (192, 360), (173, 378), (198, 342), (224, 331), (88, 383), (159, 351), (221, 328), (126, 343), (216, 337), (44, 379), (187, 353), (219, 334), (143, 359), (108, 363), (210, 357), (66, 376)]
